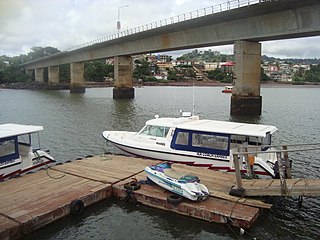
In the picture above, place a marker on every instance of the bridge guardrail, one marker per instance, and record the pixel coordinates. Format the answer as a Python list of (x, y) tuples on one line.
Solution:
[(218, 8)]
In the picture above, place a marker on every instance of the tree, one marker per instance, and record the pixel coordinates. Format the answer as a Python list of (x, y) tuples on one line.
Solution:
[(10, 71), (263, 76), (64, 73), (142, 70), (39, 52), (313, 75), (97, 70), (172, 75), (298, 76), (216, 74)]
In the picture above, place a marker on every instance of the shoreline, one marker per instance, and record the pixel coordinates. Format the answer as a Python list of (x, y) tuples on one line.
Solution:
[(66, 86)]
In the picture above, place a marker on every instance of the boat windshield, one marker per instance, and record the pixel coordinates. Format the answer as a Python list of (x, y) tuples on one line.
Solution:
[(157, 131)]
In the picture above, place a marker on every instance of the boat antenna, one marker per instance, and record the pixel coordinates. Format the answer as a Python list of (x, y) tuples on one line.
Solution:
[(193, 106)]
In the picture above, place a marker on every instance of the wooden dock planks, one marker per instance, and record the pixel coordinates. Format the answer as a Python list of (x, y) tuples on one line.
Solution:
[(34, 200)]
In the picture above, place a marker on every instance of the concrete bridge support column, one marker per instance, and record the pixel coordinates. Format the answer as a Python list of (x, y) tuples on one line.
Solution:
[(246, 99), (123, 85), (38, 74), (77, 84), (53, 75)]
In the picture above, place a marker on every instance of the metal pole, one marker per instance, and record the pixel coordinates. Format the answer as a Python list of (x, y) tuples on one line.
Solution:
[(118, 22)]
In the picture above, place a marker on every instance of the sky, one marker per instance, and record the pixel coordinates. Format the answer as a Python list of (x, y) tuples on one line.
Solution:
[(66, 23)]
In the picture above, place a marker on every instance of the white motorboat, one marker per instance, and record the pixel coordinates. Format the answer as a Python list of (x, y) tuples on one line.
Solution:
[(17, 155), (206, 143), (185, 185)]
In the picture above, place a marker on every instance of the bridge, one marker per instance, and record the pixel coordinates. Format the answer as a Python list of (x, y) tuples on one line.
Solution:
[(244, 23)]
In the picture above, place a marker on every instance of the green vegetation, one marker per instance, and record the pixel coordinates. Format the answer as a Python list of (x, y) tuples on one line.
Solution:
[(97, 70), (217, 74), (11, 72), (312, 75), (206, 56), (144, 71), (264, 76)]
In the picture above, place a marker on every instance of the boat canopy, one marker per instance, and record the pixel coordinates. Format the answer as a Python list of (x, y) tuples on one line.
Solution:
[(11, 129), (224, 127)]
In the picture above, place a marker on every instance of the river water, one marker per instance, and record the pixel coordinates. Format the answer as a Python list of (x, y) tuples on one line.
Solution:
[(73, 124)]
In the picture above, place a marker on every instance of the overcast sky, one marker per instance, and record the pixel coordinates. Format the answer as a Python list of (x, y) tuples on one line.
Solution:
[(67, 23)]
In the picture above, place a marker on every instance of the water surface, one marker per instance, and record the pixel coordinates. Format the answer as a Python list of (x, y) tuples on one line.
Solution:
[(73, 125)]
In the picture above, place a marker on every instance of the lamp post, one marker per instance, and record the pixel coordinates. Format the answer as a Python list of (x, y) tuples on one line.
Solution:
[(118, 22)]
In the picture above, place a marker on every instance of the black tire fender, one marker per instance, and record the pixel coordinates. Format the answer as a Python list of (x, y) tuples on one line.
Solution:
[(174, 199), (76, 207), (133, 185)]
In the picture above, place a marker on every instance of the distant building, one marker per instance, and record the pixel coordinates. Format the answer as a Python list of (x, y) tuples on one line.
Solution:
[(181, 63), (210, 66), (160, 76), (227, 67)]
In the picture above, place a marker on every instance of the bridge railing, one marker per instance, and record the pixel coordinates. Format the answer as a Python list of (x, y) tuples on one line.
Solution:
[(218, 8)]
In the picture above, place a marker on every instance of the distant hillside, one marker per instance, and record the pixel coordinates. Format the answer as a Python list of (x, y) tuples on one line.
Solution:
[(206, 56), (292, 60), (215, 56)]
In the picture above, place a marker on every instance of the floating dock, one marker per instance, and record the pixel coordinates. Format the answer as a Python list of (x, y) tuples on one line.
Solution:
[(35, 200)]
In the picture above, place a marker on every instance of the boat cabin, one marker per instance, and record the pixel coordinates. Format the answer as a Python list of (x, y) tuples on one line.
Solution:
[(208, 136), (16, 140)]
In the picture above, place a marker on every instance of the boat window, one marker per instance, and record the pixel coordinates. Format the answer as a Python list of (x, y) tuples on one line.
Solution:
[(25, 140), (157, 131), (7, 147), (200, 142), (210, 141), (266, 141), (182, 138)]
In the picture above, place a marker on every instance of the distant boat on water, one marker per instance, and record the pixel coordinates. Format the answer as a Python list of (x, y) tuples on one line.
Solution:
[(227, 89)]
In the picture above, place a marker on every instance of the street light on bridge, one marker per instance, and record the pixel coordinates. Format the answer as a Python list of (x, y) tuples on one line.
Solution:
[(118, 22)]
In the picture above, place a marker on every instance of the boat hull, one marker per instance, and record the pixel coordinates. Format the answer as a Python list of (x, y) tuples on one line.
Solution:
[(190, 158), (17, 168)]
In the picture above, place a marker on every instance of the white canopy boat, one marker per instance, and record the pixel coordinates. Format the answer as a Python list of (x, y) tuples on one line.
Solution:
[(185, 185), (17, 156), (206, 143)]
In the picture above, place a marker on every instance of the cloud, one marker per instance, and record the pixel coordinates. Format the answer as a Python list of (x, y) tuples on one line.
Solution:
[(293, 48), (67, 23)]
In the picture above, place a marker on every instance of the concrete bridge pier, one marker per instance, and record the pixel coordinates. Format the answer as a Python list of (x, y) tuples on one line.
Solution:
[(77, 84), (246, 99), (53, 75), (123, 85), (39, 75)]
